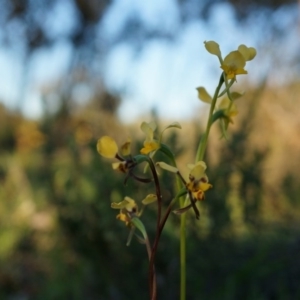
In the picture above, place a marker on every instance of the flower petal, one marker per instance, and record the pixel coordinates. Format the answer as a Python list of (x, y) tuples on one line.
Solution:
[(149, 147), (126, 148), (248, 53), (107, 147), (121, 166), (236, 95), (123, 217), (229, 107), (148, 129), (198, 170), (149, 199), (167, 167), (204, 186), (128, 203), (203, 95), (233, 64)]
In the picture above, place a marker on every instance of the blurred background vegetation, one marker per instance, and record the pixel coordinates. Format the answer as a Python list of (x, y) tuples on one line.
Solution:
[(59, 239)]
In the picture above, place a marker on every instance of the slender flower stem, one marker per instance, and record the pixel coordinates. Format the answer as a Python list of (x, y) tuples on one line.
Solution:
[(228, 86), (162, 222), (204, 138), (152, 276), (182, 253), (199, 156), (179, 181), (182, 249), (153, 283)]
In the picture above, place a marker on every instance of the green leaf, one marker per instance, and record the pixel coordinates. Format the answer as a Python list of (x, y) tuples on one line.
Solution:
[(140, 226), (130, 235), (167, 151)]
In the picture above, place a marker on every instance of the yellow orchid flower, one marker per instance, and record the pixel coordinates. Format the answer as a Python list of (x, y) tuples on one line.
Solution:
[(198, 180), (128, 209), (229, 108), (234, 64), (150, 144), (108, 148), (128, 203)]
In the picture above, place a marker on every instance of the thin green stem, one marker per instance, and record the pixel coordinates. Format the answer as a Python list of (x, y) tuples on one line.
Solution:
[(203, 141), (152, 276), (228, 86), (182, 249), (182, 253), (153, 286), (199, 156)]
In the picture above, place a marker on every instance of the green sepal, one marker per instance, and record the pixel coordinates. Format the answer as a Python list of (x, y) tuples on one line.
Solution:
[(130, 235), (173, 125), (182, 210), (140, 226), (219, 114), (224, 126), (140, 239), (236, 95)]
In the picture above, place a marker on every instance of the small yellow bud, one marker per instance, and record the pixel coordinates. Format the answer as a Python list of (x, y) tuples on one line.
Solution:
[(213, 48)]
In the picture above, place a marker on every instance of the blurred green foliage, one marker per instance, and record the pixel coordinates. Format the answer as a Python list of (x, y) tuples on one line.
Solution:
[(60, 239)]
